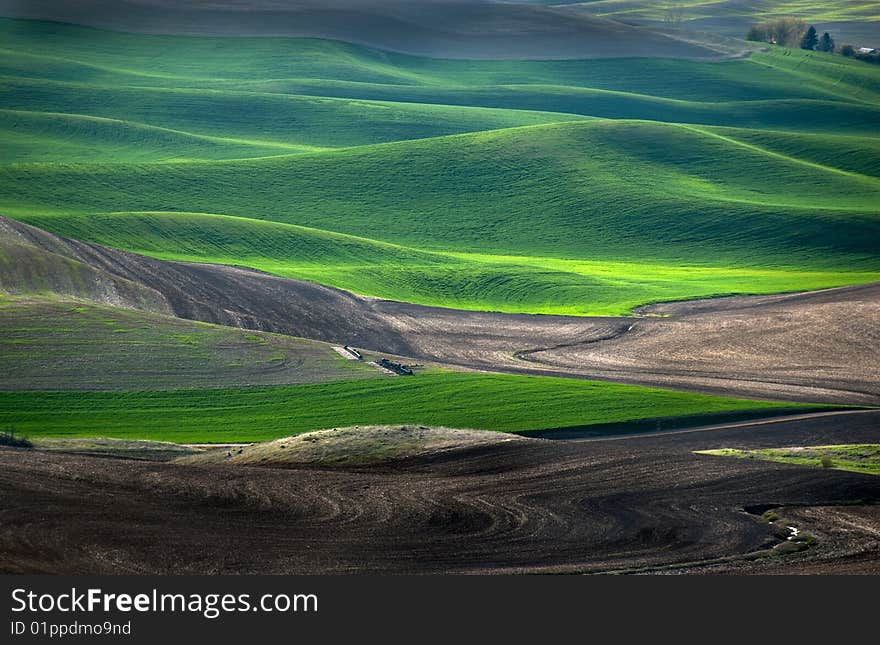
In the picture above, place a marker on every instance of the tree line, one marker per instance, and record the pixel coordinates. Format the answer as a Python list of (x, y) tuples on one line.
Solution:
[(791, 32), (794, 32)]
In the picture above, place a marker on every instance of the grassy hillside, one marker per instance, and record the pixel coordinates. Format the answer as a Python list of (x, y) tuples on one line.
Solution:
[(454, 279), (440, 28), (481, 401), (30, 136), (105, 58), (573, 186), (66, 344), (261, 119), (477, 184), (563, 211)]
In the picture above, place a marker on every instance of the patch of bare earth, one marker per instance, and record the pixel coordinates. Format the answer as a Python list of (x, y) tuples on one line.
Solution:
[(645, 504), (819, 346)]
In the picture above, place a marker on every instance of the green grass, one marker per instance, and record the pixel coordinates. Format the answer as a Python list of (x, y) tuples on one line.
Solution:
[(103, 58), (481, 401), (460, 280), (260, 119), (589, 218), (857, 458), (583, 187), (46, 137)]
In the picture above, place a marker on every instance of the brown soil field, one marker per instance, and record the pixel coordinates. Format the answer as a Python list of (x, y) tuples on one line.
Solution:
[(821, 346), (643, 504)]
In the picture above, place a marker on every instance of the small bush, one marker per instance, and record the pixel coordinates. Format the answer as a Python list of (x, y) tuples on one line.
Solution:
[(12, 440), (827, 461), (770, 516), (868, 58), (848, 50)]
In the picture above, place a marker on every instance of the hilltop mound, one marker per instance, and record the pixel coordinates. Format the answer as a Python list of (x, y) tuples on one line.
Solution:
[(474, 29), (353, 446)]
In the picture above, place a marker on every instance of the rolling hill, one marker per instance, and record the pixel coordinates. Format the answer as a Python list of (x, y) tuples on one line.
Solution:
[(83, 368), (467, 29), (528, 211), (570, 186), (675, 203)]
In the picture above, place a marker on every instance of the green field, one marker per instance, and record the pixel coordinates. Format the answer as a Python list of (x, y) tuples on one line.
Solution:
[(857, 458), (581, 187), (458, 400)]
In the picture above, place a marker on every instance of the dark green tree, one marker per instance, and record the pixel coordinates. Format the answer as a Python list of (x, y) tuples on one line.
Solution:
[(826, 43), (810, 39)]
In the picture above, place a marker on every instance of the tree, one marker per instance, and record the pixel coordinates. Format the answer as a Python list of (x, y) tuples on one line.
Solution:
[(759, 33), (826, 43), (786, 32), (848, 50), (810, 39), (790, 31), (673, 14)]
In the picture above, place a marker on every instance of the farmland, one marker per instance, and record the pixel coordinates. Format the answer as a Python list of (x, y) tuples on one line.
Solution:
[(490, 402), (581, 187), (601, 251), (849, 21)]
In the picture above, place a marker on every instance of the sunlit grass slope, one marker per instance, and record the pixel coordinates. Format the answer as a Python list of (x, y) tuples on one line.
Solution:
[(508, 283), (601, 189), (30, 136), (482, 401)]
